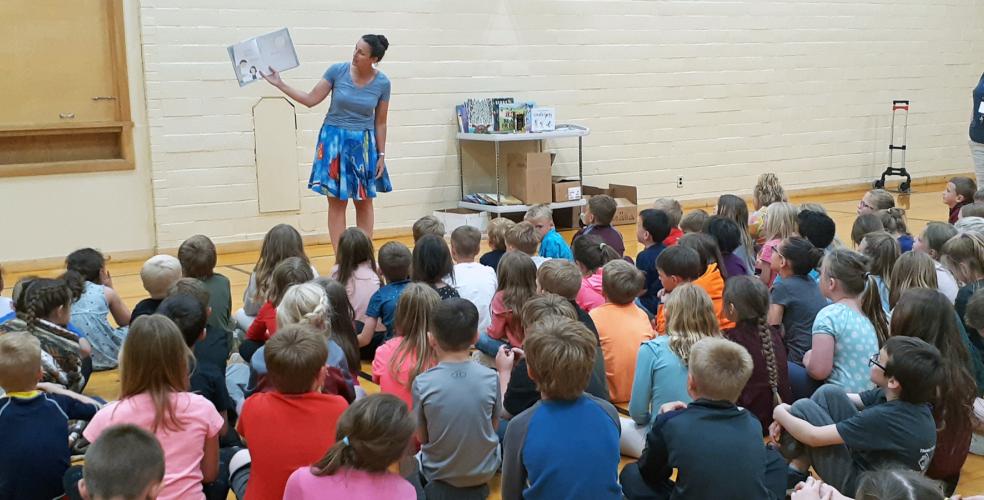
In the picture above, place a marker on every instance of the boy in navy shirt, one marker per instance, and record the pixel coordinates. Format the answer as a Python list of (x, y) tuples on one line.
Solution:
[(715, 446), (598, 215), (566, 445), (394, 262), (654, 227), (34, 424)]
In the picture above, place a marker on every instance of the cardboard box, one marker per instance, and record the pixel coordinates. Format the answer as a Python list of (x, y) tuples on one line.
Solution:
[(566, 189), (626, 199), (453, 218), (529, 177)]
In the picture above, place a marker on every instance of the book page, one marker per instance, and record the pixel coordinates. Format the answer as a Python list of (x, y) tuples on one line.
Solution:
[(247, 61), (277, 50)]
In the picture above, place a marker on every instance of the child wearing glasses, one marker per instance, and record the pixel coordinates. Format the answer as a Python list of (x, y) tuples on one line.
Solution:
[(843, 435)]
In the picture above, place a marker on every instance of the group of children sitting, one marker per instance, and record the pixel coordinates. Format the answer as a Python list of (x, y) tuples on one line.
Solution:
[(741, 350)]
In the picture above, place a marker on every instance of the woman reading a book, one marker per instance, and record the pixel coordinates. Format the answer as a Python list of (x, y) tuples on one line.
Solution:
[(349, 161)]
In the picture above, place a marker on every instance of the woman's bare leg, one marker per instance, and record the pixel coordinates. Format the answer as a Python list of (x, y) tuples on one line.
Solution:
[(364, 216), (336, 220)]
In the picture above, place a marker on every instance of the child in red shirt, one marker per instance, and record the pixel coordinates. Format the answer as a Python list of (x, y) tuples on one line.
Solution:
[(290, 271)]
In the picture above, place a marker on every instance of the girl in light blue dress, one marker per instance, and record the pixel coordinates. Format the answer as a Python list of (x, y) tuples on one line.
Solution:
[(90, 313)]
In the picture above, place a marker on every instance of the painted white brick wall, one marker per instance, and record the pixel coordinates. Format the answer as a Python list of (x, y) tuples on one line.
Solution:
[(716, 91)]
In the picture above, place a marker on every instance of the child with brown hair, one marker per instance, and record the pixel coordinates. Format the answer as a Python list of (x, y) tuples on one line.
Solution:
[(864, 225), (874, 201), (931, 243), (425, 225), (963, 255), (912, 270), (157, 275), (552, 244), (97, 301), (290, 271), (712, 280), (747, 303), (402, 358), (674, 212), (882, 251), (394, 262), (356, 269), (198, 259), (590, 255), (539, 458), (694, 221), (280, 242), (735, 208), (291, 426), (153, 396), (126, 462), (895, 224), (622, 326), (523, 237), (475, 282), (371, 437), (517, 285), (676, 266), (497, 241), (959, 191), (597, 216), (432, 265), (654, 227)]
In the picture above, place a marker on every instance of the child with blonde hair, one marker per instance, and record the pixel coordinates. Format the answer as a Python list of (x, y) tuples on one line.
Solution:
[(779, 224), (660, 374), (963, 255), (425, 225), (157, 276), (931, 243), (497, 241), (875, 201), (882, 251), (97, 301), (674, 212), (153, 396), (694, 221), (912, 270), (400, 359), (767, 190), (552, 244), (372, 436), (517, 285)]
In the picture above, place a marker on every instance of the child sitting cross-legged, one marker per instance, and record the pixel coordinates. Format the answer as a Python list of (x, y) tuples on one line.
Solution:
[(524, 238), (90, 311), (475, 282), (371, 437), (622, 326), (540, 458), (291, 271), (198, 259), (394, 263), (432, 265), (552, 244), (126, 462), (598, 215), (497, 241), (715, 446), (157, 276), (842, 435), (291, 426), (34, 421), (402, 358), (457, 406), (590, 255), (654, 227), (517, 285), (356, 269)]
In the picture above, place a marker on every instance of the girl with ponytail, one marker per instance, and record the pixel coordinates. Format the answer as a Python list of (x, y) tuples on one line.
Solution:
[(372, 435), (746, 302), (963, 255), (591, 254), (849, 330)]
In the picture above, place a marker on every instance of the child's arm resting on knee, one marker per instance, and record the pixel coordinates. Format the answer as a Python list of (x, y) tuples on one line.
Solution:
[(804, 431)]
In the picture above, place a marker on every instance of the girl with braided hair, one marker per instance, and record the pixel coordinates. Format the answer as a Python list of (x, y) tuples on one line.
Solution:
[(746, 302)]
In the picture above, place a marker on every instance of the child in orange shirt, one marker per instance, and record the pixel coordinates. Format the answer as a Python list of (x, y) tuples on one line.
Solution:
[(713, 278), (622, 326), (676, 265)]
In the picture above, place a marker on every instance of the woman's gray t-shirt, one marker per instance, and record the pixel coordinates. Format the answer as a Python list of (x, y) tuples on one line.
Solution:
[(353, 107)]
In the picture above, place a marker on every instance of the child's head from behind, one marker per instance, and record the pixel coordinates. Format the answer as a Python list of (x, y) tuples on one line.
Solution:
[(431, 260), (621, 282), (591, 253), (454, 325), (89, 263), (541, 216), (875, 200), (933, 237), (975, 209), (718, 369), (340, 316), (600, 210), (394, 261), (465, 243), (560, 355), (425, 225), (654, 227), (292, 271), (843, 270), (768, 190), (559, 276), (798, 255), (198, 257), (883, 250), (191, 287), (963, 255), (817, 227), (909, 367), (672, 209), (689, 317), (281, 242), (545, 306), (372, 434), (677, 265), (746, 299), (523, 237), (706, 246), (725, 232), (959, 190), (188, 314), (126, 462), (735, 208), (20, 361), (894, 221), (975, 311), (354, 249), (516, 272), (694, 221), (413, 310), (497, 232), (154, 361), (295, 359), (897, 484), (307, 304), (912, 270), (865, 224), (780, 221), (48, 299), (159, 273)]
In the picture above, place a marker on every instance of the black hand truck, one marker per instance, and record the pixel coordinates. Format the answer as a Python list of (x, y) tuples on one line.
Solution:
[(906, 185)]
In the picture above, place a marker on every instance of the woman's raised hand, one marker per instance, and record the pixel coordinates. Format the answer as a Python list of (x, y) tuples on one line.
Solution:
[(273, 77)]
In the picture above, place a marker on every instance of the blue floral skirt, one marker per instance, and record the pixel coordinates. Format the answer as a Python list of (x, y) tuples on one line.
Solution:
[(345, 165)]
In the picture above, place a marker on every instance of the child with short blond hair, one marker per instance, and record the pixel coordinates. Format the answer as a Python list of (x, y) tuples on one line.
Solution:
[(475, 282), (552, 244), (694, 221), (547, 463), (710, 426), (425, 225), (523, 237), (674, 212), (497, 241), (598, 215), (622, 326), (157, 276)]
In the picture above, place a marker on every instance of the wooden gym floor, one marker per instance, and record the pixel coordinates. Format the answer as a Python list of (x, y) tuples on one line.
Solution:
[(923, 205)]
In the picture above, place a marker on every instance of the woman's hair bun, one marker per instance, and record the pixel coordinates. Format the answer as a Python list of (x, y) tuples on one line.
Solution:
[(384, 41), (377, 44)]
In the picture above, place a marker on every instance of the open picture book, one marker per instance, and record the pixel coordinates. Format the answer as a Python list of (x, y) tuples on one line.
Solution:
[(252, 58)]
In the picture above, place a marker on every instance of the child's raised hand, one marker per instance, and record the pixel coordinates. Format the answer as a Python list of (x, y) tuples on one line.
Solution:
[(106, 278)]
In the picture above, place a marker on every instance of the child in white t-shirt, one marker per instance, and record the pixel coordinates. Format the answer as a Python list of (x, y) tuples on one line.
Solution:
[(475, 282)]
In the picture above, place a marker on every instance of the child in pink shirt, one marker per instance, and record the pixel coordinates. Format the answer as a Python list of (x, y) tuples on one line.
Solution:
[(400, 359), (517, 285), (187, 425), (356, 269), (372, 436), (590, 255)]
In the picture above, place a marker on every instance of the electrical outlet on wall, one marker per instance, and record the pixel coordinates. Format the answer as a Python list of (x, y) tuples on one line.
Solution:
[(680, 182)]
